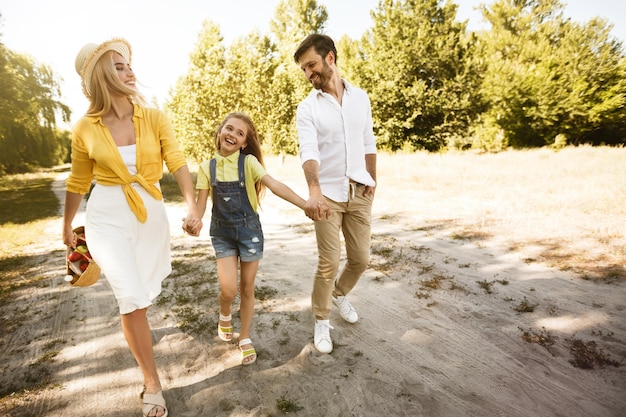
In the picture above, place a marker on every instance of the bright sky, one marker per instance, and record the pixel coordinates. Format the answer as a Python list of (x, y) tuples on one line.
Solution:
[(162, 33)]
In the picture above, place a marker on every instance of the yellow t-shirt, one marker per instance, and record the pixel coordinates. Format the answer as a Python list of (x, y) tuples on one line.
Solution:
[(227, 169)]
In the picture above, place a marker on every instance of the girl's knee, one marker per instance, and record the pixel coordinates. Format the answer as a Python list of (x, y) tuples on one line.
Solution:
[(228, 295)]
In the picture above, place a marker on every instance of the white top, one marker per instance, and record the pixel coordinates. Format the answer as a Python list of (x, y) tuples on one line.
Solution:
[(129, 156), (338, 137)]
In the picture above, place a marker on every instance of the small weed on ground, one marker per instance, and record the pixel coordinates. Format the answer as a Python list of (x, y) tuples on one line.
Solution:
[(543, 337), (587, 355), (287, 406), (525, 306), (433, 283), (264, 292), (487, 286)]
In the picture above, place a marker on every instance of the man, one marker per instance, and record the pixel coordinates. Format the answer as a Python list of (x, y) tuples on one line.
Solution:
[(338, 154)]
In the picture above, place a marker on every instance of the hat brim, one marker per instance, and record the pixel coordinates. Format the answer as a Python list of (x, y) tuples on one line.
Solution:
[(91, 53)]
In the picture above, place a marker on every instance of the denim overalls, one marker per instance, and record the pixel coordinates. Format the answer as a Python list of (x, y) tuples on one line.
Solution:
[(235, 226)]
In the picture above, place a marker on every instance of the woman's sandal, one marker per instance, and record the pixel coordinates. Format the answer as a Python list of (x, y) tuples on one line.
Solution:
[(225, 332), (247, 353), (151, 401)]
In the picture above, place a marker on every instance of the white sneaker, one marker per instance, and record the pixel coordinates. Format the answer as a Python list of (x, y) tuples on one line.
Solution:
[(322, 336), (347, 312)]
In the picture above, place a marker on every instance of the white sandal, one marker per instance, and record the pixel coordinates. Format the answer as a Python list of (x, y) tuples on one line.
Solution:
[(245, 354), (225, 333), (151, 401)]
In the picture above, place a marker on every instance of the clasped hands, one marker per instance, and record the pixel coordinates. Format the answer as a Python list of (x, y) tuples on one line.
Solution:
[(317, 208), (192, 225)]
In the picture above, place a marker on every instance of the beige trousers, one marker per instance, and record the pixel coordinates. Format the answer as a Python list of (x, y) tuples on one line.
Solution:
[(353, 218)]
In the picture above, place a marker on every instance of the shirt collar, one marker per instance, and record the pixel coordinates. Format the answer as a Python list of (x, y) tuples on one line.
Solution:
[(230, 158), (137, 112), (346, 87)]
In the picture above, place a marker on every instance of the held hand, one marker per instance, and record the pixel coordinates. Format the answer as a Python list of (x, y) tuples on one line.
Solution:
[(323, 210), (192, 225), (316, 208), (69, 237)]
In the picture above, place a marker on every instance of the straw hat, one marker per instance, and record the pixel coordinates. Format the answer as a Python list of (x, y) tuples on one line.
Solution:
[(91, 53)]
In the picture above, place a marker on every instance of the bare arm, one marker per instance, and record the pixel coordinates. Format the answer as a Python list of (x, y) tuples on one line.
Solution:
[(72, 202), (192, 223), (201, 200), (316, 206), (370, 166), (283, 191)]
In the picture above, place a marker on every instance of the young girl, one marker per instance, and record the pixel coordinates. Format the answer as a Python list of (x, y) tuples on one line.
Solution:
[(236, 178)]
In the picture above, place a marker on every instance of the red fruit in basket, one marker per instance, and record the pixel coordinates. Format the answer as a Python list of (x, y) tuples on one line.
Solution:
[(84, 265), (74, 256)]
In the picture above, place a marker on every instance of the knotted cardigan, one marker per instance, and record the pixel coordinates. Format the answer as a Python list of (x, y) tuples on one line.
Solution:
[(95, 155)]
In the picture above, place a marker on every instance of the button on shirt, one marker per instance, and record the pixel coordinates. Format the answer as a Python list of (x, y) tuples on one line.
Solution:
[(337, 137)]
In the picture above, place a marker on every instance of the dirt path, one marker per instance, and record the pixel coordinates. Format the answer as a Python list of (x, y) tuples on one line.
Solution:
[(439, 333)]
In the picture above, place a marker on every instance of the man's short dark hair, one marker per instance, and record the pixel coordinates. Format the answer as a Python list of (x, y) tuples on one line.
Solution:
[(323, 44)]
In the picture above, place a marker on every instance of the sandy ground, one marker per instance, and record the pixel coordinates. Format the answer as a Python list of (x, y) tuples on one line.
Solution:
[(431, 340)]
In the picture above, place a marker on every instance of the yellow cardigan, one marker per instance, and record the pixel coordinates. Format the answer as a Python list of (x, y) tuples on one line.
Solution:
[(95, 155)]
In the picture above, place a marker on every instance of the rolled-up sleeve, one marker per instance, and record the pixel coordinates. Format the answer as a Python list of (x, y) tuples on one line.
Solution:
[(81, 174), (369, 140), (307, 133), (173, 156)]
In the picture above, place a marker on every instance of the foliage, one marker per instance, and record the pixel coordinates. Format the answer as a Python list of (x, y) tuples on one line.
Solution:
[(29, 107), (197, 104), (417, 68), (547, 76), (254, 74), (533, 79)]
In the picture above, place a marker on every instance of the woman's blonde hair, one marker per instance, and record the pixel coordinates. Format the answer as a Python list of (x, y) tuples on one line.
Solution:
[(253, 144), (104, 83)]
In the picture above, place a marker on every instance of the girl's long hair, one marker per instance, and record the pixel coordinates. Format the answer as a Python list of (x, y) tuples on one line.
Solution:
[(253, 145), (105, 83)]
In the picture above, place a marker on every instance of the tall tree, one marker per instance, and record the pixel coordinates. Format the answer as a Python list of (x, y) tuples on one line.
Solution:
[(29, 108), (197, 102), (416, 69), (293, 21), (255, 74)]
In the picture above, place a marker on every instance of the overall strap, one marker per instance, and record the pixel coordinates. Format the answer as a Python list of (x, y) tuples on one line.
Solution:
[(242, 174), (212, 165), (241, 168)]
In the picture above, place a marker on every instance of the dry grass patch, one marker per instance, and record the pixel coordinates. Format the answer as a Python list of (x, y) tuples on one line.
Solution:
[(566, 208)]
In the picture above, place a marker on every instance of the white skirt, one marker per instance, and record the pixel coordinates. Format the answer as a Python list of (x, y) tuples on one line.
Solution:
[(134, 257)]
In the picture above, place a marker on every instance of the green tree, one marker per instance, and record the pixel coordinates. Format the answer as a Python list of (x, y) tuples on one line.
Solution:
[(548, 76), (254, 74), (416, 68), (196, 104), (251, 65), (293, 21), (29, 108)]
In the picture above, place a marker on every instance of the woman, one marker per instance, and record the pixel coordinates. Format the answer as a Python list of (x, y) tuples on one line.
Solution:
[(122, 145)]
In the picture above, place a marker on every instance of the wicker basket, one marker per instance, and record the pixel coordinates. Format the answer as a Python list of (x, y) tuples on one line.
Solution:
[(75, 276)]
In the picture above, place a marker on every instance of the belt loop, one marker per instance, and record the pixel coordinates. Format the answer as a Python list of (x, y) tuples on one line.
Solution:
[(352, 190)]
